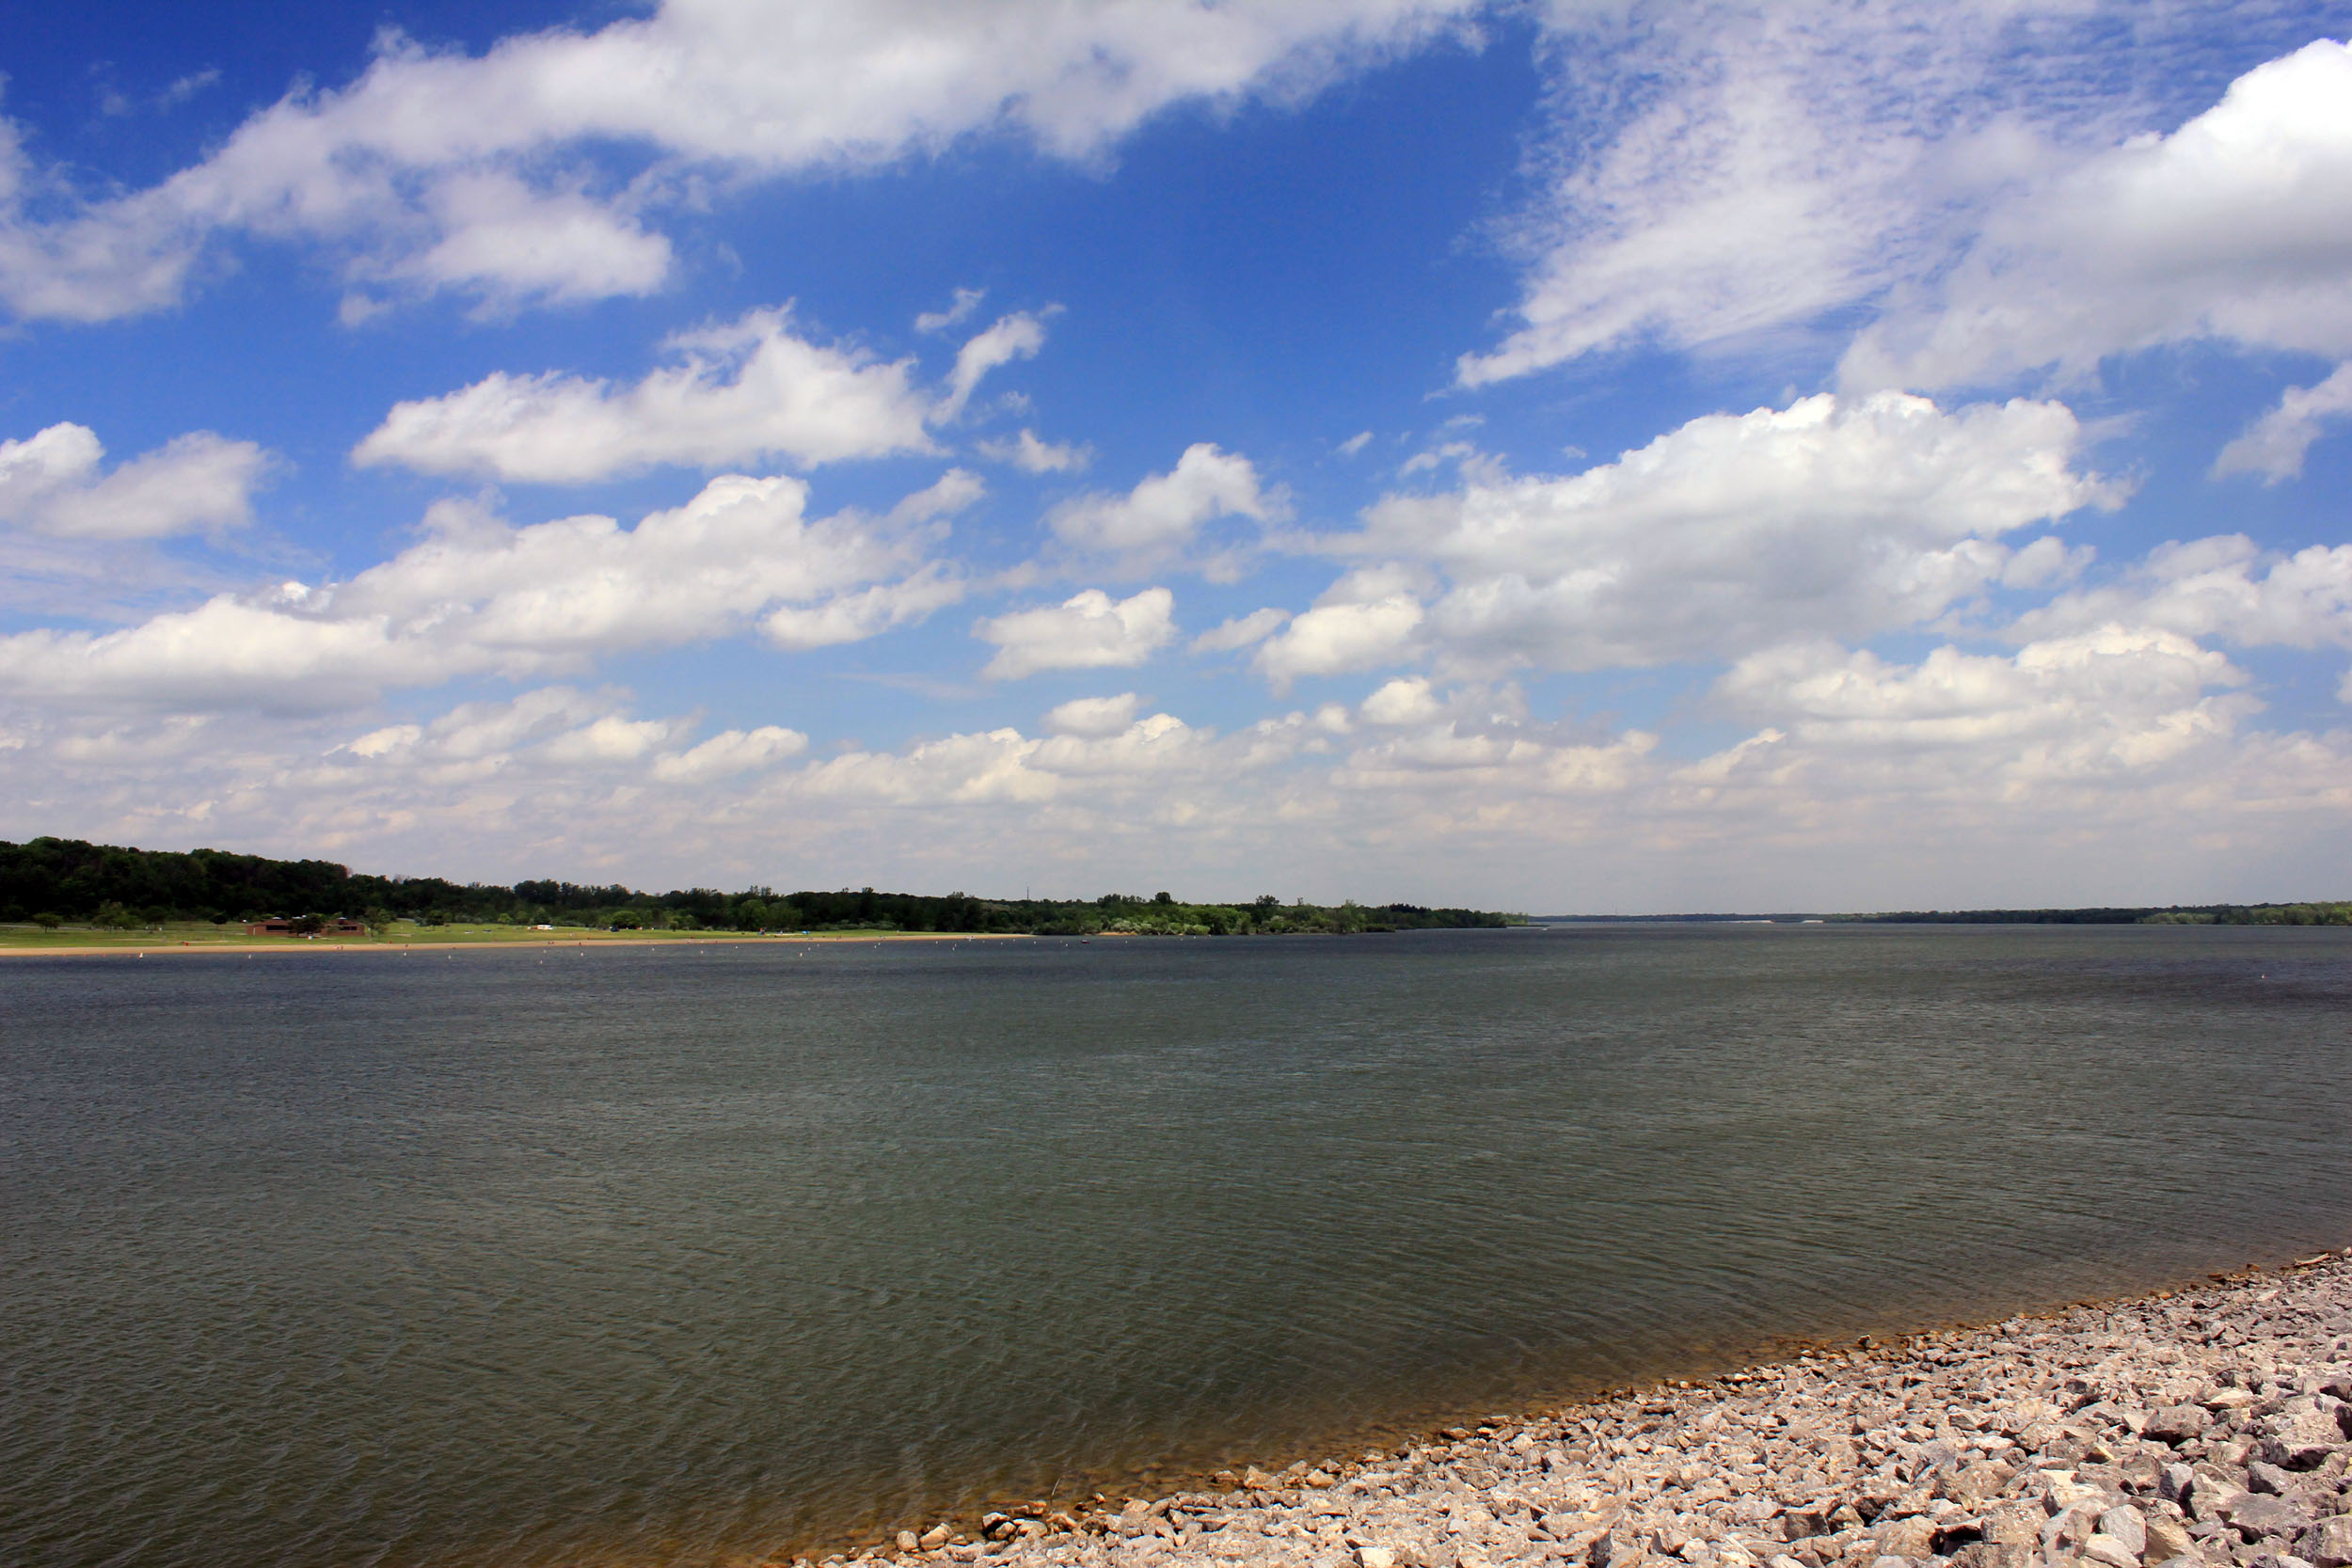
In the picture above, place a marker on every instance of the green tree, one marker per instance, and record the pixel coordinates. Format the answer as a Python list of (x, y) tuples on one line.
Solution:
[(379, 920)]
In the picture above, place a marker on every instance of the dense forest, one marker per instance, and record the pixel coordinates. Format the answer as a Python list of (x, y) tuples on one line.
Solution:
[(54, 882)]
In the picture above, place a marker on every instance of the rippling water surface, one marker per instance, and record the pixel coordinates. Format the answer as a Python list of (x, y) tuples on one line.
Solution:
[(664, 1256)]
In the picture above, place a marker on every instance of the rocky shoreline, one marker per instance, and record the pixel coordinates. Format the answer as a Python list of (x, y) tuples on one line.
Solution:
[(2205, 1428)]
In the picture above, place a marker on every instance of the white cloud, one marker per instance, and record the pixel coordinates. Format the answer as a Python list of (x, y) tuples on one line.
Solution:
[(1241, 631), (223, 653), (1093, 716), (477, 595), (1841, 517), (2225, 588), (731, 752), (745, 391), (959, 308), (2236, 227), (497, 173), (1088, 631), (1004, 768), (560, 732), (951, 493), (1354, 444), (508, 244), (608, 740), (1030, 455), (2115, 765), (1158, 522), (1367, 619), (479, 740), (853, 617), (1406, 700), (1014, 336), (51, 483), (1727, 177), (2046, 562), (2111, 699), (2273, 446), (1720, 174), (1453, 764)]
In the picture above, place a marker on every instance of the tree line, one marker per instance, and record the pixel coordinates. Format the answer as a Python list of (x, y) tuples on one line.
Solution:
[(56, 882)]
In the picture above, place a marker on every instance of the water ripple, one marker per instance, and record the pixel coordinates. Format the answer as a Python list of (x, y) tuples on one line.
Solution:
[(628, 1259)]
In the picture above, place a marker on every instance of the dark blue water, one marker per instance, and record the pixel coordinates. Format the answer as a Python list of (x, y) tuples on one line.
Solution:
[(680, 1256)]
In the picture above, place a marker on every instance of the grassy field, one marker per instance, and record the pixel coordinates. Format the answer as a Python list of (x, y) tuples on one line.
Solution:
[(28, 937)]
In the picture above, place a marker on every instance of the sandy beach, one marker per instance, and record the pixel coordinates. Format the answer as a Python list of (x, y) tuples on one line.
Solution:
[(2200, 1427)]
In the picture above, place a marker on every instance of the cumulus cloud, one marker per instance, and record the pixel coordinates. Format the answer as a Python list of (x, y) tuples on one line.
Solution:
[(730, 752), (1367, 619), (1004, 768), (1406, 700), (560, 731), (1453, 763), (1838, 516), (507, 174), (2236, 227), (610, 740), (2273, 446), (1241, 631), (508, 244), (2225, 588), (53, 481), (1093, 716), (1031, 454), (478, 595), (554, 725), (2120, 755), (1087, 631), (744, 390), (2114, 700), (1159, 522)]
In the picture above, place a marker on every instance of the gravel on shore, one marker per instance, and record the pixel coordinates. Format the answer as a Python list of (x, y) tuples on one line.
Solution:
[(2209, 1428)]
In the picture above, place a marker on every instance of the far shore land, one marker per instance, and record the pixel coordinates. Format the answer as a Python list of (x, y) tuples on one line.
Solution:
[(2205, 1428), (18, 941)]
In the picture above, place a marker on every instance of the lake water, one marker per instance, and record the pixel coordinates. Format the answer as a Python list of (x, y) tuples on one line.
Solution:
[(688, 1255)]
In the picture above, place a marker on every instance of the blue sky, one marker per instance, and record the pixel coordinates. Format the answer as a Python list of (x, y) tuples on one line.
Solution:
[(1566, 458)]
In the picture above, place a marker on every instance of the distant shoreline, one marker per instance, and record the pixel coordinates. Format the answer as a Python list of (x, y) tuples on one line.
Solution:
[(2313, 913)]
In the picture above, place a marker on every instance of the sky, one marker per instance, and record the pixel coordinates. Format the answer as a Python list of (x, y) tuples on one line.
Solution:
[(1560, 456)]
